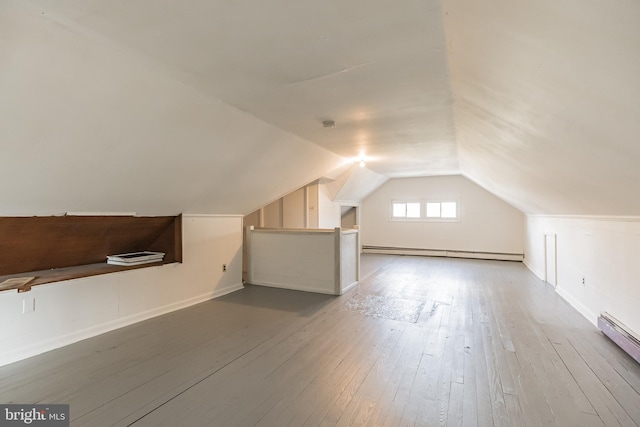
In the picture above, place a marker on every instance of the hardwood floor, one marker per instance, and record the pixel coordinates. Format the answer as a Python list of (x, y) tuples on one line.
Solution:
[(492, 346)]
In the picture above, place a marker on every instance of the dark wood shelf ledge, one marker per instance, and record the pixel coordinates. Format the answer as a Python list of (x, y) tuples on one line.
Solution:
[(59, 274), (57, 248)]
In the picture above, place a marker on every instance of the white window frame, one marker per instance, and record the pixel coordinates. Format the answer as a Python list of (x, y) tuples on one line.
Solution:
[(405, 218), (423, 210), (440, 218)]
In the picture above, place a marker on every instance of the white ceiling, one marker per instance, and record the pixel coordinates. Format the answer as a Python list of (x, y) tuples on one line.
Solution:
[(537, 101), (378, 70)]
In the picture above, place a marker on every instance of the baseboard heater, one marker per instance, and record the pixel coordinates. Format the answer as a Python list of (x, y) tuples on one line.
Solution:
[(620, 334), (389, 250)]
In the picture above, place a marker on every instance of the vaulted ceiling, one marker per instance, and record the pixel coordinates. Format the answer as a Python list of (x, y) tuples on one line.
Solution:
[(217, 106)]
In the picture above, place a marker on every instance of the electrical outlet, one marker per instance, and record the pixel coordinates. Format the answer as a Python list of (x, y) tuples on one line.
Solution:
[(28, 305), (224, 267), (583, 281)]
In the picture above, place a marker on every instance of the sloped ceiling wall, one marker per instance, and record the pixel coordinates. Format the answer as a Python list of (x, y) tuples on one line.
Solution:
[(355, 184), (377, 68), (90, 127), (547, 101)]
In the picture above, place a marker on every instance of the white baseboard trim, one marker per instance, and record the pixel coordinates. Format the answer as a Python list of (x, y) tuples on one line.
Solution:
[(534, 271), (442, 253), (573, 302), (224, 291), (17, 354), (296, 288), (349, 287)]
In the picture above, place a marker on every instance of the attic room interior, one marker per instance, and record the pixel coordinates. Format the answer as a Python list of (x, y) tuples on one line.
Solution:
[(372, 213)]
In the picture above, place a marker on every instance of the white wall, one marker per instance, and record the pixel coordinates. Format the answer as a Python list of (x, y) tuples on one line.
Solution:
[(298, 209), (294, 209), (349, 218), (272, 215), (252, 219), (329, 212), (73, 310), (487, 224), (312, 205), (605, 251)]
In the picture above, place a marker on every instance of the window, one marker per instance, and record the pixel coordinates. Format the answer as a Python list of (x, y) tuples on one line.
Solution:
[(409, 210), (436, 210), (445, 210)]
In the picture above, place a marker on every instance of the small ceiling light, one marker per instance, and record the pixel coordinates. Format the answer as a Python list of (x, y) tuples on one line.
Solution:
[(328, 124), (362, 159)]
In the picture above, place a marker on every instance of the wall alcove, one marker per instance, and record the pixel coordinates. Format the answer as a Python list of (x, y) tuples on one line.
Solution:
[(57, 248)]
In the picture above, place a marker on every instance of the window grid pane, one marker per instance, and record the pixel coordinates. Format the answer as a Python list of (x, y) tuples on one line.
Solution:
[(449, 210), (433, 210), (399, 210), (413, 210)]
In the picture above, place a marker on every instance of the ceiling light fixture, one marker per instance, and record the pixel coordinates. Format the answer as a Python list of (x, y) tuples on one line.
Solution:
[(362, 159)]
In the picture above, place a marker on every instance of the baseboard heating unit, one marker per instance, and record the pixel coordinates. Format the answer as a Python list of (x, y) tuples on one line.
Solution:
[(387, 250), (620, 334)]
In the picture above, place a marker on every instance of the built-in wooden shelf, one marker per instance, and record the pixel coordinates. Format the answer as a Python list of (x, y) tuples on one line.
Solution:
[(53, 249)]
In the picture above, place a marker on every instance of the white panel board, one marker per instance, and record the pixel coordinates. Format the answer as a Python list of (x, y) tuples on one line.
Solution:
[(293, 260), (348, 261)]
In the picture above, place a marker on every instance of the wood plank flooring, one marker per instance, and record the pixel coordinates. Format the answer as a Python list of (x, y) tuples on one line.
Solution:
[(492, 346)]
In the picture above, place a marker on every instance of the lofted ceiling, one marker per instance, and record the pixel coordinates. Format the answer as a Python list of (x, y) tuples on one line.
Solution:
[(547, 102), (536, 101), (378, 70)]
